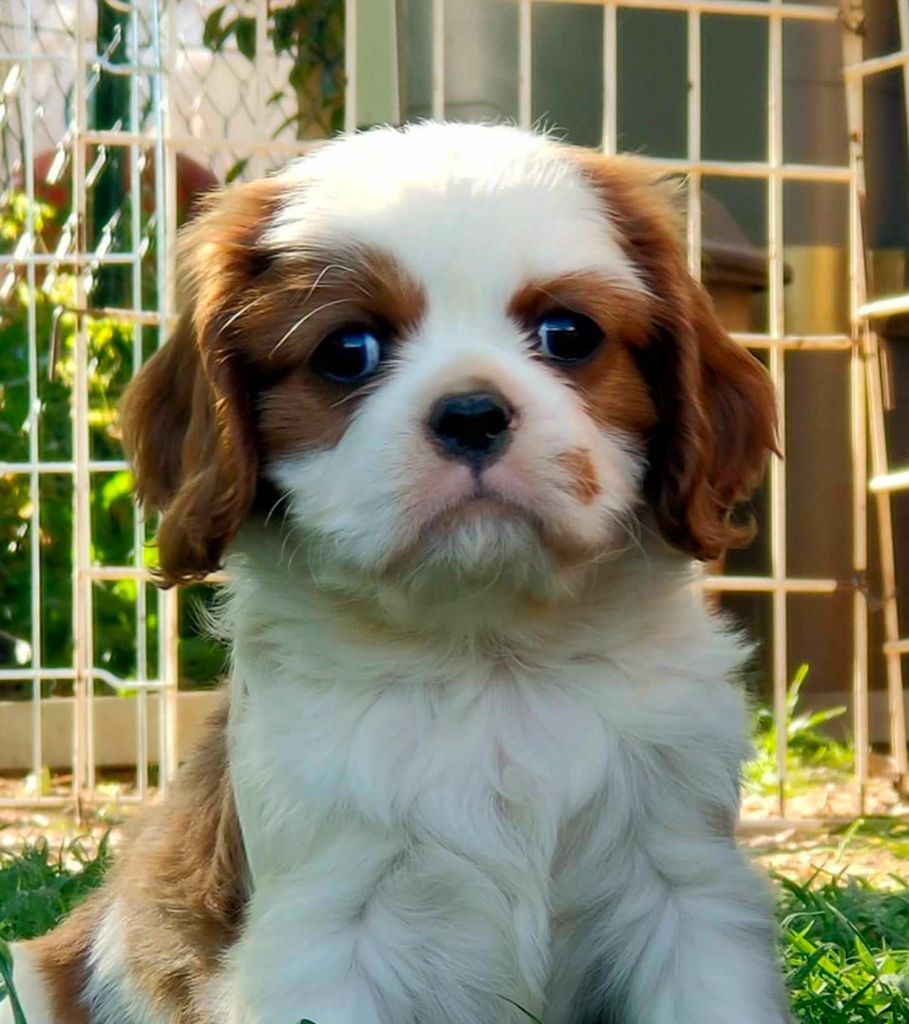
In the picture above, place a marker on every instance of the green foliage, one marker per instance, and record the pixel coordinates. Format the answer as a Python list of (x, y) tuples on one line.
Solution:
[(40, 885), (112, 345), (846, 951), (6, 983), (876, 832), (311, 34), (14, 216), (810, 749)]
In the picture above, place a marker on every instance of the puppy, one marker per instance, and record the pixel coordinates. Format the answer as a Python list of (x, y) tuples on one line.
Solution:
[(449, 404)]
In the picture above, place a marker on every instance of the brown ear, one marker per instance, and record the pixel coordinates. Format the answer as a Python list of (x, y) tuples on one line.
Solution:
[(717, 424), (717, 418), (187, 417)]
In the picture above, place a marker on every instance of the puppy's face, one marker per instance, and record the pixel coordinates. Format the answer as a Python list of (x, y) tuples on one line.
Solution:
[(450, 352)]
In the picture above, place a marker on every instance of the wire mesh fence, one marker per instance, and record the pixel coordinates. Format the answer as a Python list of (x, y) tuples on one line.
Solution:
[(116, 117)]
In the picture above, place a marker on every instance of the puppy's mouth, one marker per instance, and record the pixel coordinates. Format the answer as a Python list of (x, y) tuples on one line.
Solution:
[(480, 513), (480, 504)]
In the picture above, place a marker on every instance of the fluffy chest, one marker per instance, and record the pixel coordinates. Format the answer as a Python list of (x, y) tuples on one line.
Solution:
[(478, 763), (485, 757)]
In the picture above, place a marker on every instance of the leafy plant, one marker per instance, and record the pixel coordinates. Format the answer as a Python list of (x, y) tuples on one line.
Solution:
[(845, 951), (809, 747), (110, 353), (7, 989), (40, 885), (311, 34)]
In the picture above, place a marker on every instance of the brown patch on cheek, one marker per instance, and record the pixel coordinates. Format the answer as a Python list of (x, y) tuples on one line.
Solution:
[(615, 391), (296, 310), (302, 413), (586, 487)]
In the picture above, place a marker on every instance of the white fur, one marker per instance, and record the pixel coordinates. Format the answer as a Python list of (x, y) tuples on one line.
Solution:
[(485, 206), (482, 754), (469, 773), (432, 828), (112, 995), (473, 214)]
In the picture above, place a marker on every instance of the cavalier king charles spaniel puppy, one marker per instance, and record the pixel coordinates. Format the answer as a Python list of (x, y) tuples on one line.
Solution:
[(449, 407)]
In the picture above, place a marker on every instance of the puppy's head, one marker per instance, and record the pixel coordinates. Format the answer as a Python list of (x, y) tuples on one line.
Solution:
[(451, 351)]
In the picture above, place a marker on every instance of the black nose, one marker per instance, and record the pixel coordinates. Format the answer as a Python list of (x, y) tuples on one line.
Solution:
[(473, 426)]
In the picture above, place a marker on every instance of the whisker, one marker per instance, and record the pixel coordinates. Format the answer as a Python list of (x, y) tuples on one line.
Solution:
[(293, 555), (277, 504), (632, 529), (320, 275), (319, 283), (303, 319), (364, 389), (243, 309)]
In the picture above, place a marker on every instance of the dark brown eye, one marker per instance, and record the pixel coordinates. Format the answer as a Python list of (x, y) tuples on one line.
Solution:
[(349, 355), (566, 337)]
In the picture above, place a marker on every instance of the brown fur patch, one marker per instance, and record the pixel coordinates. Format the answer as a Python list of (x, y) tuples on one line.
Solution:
[(296, 409), (232, 386), (586, 485), (715, 407), (181, 887), (613, 387), (187, 417), (62, 957), (183, 884)]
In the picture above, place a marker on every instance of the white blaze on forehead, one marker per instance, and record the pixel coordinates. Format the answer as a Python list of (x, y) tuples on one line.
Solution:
[(466, 209)]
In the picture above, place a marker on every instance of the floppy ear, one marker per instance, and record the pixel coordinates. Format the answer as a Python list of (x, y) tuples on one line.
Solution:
[(716, 407), (188, 425), (716, 426)]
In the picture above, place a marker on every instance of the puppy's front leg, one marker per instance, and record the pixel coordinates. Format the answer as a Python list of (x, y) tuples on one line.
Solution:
[(691, 941), (367, 933)]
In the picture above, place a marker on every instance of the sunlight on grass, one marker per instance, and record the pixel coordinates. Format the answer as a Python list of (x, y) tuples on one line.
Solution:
[(811, 752), (845, 947)]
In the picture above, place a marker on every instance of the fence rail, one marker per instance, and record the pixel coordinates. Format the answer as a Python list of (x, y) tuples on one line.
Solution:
[(182, 100)]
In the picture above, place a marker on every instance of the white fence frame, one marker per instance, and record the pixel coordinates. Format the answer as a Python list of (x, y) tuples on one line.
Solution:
[(163, 138)]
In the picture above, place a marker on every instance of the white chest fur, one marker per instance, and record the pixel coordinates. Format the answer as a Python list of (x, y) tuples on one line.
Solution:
[(430, 828)]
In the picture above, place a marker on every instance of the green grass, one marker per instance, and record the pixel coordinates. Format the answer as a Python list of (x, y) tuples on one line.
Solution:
[(41, 884), (811, 753), (845, 948), (844, 944), (37, 888)]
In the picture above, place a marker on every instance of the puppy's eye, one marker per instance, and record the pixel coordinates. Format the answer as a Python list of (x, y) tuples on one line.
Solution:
[(567, 337), (349, 355)]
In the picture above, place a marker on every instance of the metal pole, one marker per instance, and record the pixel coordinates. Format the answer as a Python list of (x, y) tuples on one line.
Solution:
[(165, 242), (83, 767), (694, 144), (34, 426), (780, 672), (525, 63), (610, 80), (438, 59), (852, 51)]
